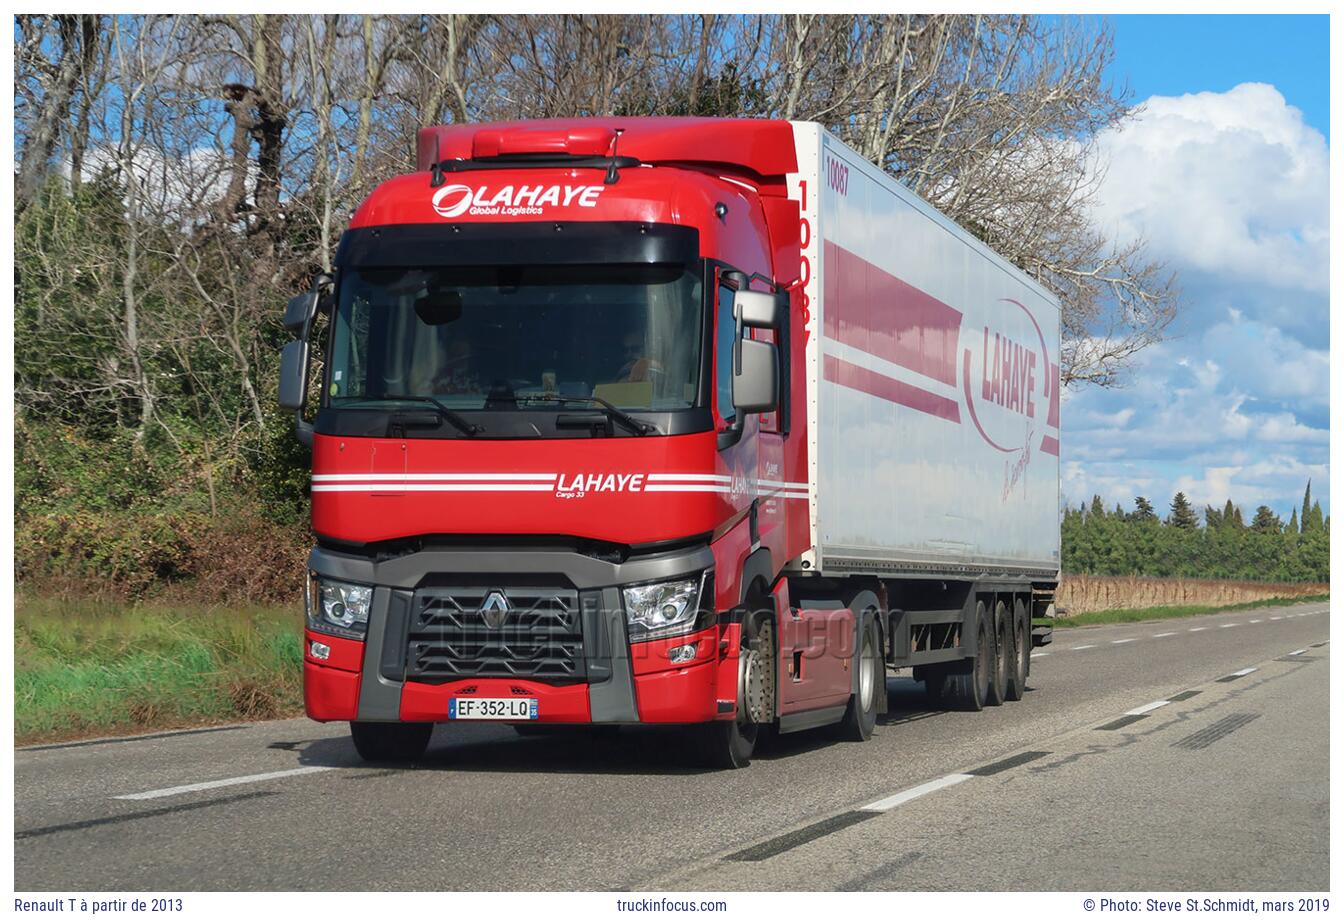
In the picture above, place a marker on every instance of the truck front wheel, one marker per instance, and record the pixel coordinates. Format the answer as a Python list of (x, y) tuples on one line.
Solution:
[(729, 745), (390, 742)]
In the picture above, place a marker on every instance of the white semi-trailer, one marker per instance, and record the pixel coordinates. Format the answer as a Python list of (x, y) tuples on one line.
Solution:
[(933, 384), (932, 387)]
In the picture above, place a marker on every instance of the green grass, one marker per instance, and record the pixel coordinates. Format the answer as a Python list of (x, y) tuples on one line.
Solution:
[(1102, 617), (89, 667)]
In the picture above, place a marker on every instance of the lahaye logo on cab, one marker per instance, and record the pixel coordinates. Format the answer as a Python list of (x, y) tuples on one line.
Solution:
[(508, 201)]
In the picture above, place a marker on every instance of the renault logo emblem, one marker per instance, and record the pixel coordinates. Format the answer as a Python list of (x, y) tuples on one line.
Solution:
[(495, 609)]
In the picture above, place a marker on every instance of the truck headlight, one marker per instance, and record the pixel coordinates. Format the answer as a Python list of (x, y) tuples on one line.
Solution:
[(666, 608), (338, 607)]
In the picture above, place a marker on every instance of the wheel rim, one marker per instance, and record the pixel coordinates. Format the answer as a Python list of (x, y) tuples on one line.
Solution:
[(753, 687), (982, 662), (1001, 657), (867, 674)]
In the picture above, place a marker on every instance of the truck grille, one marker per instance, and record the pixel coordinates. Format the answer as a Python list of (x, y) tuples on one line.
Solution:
[(452, 634)]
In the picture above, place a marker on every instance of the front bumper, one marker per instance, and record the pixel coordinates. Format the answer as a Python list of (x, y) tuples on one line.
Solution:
[(616, 682)]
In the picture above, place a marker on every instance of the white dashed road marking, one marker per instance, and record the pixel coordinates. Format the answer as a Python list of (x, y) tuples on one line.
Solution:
[(881, 805), (901, 798), (1149, 707), (1226, 625), (218, 783)]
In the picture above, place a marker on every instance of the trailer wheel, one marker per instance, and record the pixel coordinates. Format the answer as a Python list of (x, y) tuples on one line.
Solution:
[(1020, 658), (966, 682), (729, 745), (998, 682), (861, 714), (933, 684), (390, 742)]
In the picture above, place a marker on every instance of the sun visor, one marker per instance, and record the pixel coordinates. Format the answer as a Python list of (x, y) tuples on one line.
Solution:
[(577, 243)]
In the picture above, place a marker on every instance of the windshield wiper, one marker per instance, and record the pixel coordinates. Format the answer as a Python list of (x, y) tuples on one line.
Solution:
[(627, 421), (445, 413)]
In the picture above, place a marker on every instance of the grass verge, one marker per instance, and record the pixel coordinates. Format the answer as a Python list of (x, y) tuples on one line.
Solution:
[(1103, 617), (89, 667)]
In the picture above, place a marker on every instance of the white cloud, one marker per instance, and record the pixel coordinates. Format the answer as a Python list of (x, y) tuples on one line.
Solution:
[(1213, 487), (1234, 184), (1230, 190), (1271, 363)]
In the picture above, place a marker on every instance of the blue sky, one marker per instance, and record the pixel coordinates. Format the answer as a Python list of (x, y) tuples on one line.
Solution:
[(1172, 55), (1224, 171)]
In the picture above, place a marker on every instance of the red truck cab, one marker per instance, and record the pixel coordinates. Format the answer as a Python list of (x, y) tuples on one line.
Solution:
[(557, 451)]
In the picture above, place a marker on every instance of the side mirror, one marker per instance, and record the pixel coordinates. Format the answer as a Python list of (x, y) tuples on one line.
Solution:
[(756, 380), (300, 310), (294, 375), (759, 310)]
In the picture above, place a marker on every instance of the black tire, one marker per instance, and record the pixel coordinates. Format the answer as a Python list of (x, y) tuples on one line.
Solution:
[(933, 685), (966, 682), (391, 742), (998, 675), (861, 714), (1019, 658), (729, 745), (726, 745)]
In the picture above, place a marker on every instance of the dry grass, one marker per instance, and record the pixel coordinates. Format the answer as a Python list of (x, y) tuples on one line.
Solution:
[(1088, 593)]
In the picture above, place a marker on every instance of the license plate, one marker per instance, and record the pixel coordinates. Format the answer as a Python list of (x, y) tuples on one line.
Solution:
[(470, 707)]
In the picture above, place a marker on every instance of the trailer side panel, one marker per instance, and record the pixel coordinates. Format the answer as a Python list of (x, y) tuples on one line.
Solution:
[(936, 363)]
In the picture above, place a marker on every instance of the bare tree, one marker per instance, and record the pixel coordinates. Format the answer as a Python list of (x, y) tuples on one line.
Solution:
[(213, 159), (993, 120), (51, 89)]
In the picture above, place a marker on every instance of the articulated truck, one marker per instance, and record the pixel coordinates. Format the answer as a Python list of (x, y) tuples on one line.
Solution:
[(691, 422)]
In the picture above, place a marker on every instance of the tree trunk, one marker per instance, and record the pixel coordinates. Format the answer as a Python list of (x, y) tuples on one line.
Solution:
[(55, 109)]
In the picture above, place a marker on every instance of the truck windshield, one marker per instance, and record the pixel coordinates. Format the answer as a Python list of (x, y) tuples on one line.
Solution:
[(491, 337)]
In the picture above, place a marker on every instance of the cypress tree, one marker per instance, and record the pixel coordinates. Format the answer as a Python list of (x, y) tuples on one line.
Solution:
[(1292, 524), (1306, 507), (1212, 517), (1315, 523)]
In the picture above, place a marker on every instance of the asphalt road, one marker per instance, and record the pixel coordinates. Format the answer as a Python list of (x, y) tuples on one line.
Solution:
[(1219, 782)]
